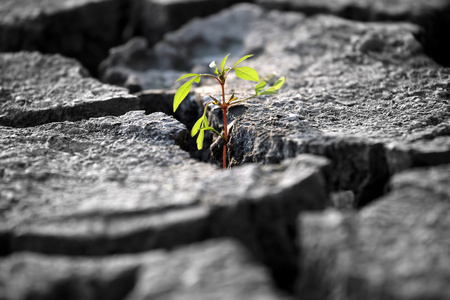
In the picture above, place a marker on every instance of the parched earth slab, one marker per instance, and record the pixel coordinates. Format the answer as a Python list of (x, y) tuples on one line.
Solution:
[(395, 248), (432, 16), (361, 9), (141, 66), (420, 153), (87, 29), (363, 94), (352, 89), (161, 16), (63, 182), (123, 185), (37, 89), (218, 269), (84, 29)]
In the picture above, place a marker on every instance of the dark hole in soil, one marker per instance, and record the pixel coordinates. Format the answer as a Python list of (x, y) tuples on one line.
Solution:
[(5, 247)]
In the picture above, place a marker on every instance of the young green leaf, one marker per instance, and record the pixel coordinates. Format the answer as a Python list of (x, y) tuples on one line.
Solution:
[(211, 129), (267, 92), (277, 85), (215, 101), (200, 138), (222, 65), (202, 122), (247, 73), (205, 121), (242, 59), (259, 87), (273, 89), (186, 76), (232, 98), (197, 126), (213, 65), (182, 92)]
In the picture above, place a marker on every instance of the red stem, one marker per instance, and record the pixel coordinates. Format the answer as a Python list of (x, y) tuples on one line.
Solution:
[(226, 138), (224, 109)]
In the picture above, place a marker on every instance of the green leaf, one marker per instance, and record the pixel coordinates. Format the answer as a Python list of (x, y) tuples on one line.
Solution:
[(273, 89), (196, 127), (214, 99), (259, 87), (186, 76), (208, 128), (247, 73), (222, 65), (211, 129), (242, 59), (200, 138), (267, 92), (277, 85), (202, 122), (182, 92)]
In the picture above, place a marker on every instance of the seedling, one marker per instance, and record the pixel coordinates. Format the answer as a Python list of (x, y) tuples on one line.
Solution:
[(245, 73)]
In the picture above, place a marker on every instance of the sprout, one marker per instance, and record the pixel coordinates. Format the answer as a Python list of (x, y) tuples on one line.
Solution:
[(245, 73)]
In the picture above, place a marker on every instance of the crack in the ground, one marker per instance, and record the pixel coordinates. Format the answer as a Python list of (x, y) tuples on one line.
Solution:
[(267, 242)]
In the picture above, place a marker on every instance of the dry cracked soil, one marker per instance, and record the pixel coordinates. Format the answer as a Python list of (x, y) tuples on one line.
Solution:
[(338, 187)]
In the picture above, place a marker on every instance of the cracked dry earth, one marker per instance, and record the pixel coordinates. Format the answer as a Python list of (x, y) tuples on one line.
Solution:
[(339, 186)]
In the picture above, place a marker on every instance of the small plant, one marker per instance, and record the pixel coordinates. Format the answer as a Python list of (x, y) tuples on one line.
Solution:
[(245, 73)]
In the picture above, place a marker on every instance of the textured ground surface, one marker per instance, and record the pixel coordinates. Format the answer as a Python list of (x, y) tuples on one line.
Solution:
[(354, 91), (39, 89), (432, 16), (338, 187), (123, 184), (395, 248), (219, 269)]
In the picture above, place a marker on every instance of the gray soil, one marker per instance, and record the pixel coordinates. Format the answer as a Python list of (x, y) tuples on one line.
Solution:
[(337, 187)]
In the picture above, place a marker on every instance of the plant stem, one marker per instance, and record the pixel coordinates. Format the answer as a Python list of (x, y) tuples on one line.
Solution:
[(225, 138), (224, 109)]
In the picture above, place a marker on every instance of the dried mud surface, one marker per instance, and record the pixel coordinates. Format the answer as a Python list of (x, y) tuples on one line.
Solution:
[(337, 186)]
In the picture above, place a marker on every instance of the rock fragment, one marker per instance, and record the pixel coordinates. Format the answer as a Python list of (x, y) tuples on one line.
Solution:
[(352, 89), (218, 269), (432, 16), (162, 16), (87, 29), (123, 185), (37, 89), (363, 10), (80, 29), (134, 65), (396, 248), (194, 45), (420, 153)]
